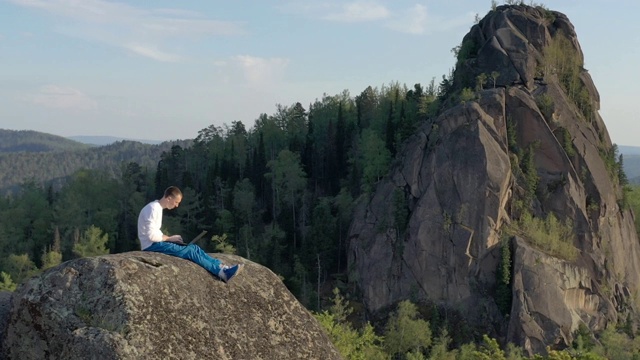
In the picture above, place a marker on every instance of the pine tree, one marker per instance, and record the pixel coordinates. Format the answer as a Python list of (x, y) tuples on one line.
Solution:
[(91, 243), (390, 133)]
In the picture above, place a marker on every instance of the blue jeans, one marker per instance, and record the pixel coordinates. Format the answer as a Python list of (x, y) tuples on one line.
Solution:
[(190, 252)]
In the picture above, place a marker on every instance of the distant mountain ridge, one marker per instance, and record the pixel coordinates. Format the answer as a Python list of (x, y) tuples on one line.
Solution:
[(107, 140), (631, 162), (629, 150), (47, 159), (33, 141)]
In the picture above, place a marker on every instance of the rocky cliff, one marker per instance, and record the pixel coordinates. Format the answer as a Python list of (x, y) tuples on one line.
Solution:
[(528, 147), (143, 305)]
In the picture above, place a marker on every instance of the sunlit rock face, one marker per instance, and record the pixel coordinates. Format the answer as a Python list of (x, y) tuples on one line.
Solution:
[(459, 178)]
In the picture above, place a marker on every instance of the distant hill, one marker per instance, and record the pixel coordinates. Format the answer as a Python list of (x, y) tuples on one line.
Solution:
[(32, 141), (629, 150), (631, 162), (50, 159), (106, 140)]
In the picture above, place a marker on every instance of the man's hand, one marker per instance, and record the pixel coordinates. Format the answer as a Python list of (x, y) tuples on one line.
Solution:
[(175, 239)]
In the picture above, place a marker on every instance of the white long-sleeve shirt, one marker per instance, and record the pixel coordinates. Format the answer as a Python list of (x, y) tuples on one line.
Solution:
[(149, 224)]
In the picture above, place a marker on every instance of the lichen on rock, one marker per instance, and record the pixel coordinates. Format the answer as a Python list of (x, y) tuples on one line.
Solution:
[(143, 305)]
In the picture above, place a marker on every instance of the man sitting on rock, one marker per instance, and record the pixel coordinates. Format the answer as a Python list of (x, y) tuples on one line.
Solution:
[(152, 238)]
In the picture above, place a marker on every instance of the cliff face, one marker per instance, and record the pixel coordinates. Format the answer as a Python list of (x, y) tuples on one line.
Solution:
[(462, 178), (143, 305)]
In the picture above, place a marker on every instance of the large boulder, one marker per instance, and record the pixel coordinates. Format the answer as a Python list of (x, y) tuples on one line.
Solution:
[(143, 305)]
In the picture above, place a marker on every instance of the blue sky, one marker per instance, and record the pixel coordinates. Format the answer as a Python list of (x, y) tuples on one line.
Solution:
[(166, 69)]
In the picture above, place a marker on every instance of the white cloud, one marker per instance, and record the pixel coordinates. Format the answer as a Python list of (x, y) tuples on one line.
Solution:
[(260, 72), (359, 11), (415, 19), (412, 21), (62, 97), (119, 24), (85, 10), (153, 53), (178, 12), (418, 20)]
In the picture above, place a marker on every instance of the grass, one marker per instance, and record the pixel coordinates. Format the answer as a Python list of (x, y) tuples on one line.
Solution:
[(548, 235)]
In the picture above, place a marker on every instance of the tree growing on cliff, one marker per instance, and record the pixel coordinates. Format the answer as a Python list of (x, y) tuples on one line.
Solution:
[(481, 80), (494, 76), (503, 284), (375, 158), (467, 95)]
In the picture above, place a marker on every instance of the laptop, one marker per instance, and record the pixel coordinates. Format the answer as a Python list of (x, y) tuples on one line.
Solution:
[(203, 233)]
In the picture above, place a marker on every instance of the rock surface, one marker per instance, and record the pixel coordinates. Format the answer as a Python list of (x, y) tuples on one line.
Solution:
[(142, 305), (550, 296), (460, 188), (5, 307)]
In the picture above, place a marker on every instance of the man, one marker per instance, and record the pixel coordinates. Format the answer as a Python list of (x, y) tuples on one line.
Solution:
[(152, 238)]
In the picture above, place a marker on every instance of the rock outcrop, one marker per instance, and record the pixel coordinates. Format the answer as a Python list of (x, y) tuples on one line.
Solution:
[(462, 180), (142, 305)]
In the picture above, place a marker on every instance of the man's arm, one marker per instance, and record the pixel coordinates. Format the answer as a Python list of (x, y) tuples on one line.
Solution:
[(174, 239)]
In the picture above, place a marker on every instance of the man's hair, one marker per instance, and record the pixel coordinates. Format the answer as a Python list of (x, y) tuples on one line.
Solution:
[(172, 191)]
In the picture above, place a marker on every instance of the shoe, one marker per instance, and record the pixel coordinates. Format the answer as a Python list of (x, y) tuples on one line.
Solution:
[(227, 273)]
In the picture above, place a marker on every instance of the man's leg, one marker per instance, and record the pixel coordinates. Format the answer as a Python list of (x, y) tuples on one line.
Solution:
[(190, 252)]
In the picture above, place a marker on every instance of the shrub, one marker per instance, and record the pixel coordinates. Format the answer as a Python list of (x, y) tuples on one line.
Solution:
[(467, 95), (6, 284), (546, 105), (530, 174), (564, 137), (512, 138), (222, 244), (549, 235), (563, 59)]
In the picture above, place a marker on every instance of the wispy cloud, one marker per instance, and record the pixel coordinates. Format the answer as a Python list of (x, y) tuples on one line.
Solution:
[(62, 97), (260, 72), (358, 12), (418, 20), (120, 25), (153, 53), (415, 19)]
